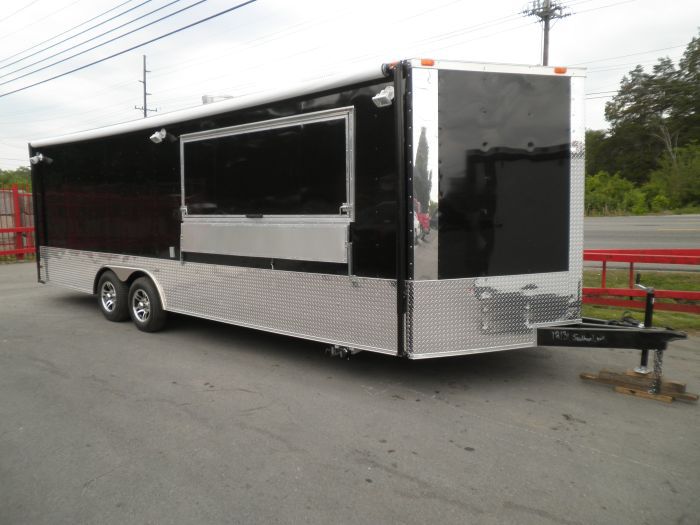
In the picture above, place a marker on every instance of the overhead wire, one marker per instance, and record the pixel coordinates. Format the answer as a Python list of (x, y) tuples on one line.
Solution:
[(66, 31), (605, 6), (74, 36), (97, 36), (198, 2), (155, 39), (440, 37), (628, 55), (421, 13)]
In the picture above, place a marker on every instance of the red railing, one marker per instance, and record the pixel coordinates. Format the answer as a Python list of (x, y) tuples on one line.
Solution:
[(684, 301), (16, 222)]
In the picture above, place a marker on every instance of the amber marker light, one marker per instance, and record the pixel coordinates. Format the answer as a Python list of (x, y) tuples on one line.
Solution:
[(427, 62), (559, 70)]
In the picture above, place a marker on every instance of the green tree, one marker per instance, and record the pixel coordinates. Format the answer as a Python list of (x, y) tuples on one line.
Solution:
[(21, 175), (596, 151), (606, 194), (639, 122), (686, 109), (678, 177), (652, 141), (651, 115)]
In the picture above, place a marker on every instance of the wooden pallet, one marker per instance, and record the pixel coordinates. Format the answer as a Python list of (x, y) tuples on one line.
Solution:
[(635, 384)]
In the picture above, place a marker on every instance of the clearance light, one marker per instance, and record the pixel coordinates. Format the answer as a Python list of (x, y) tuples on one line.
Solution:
[(427, 62), (559, 70)]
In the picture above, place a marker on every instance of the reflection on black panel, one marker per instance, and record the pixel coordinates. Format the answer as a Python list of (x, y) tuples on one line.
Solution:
[(504, 158), (295, 170)]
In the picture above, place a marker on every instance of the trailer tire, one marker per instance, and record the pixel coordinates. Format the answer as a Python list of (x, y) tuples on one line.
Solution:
[(113, 297), (145, 307)]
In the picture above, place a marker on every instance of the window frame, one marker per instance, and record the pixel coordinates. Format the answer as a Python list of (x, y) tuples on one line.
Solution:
[(346, 114)]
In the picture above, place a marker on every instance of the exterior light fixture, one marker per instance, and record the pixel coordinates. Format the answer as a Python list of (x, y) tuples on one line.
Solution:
[(158, 136), (38, 158), (384, 97)]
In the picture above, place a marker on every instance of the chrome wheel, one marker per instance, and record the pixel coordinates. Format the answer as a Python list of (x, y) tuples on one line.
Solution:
[(141, 305), (108, 295)]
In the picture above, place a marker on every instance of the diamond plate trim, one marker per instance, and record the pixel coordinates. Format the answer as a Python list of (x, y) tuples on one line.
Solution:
[(486, 314), (466, 316), (359, 313)]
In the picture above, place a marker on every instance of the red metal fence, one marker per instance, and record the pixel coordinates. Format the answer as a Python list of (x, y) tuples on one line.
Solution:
[(16, 221), (630, 297)]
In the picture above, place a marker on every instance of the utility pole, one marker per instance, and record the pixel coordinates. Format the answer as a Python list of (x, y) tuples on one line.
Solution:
[(546, 11), (145, 107)]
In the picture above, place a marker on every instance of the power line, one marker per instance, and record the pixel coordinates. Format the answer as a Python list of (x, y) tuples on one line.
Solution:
[(546, 11), (604, 6), (629, 55), (623, 66), (64, 32), (70, 38), (475, 28), (198, 2), (19, 10), (92, 38), (206, 19), (413, 16)]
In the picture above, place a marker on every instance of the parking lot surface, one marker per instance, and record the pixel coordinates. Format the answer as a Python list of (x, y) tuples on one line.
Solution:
[(209, 423)]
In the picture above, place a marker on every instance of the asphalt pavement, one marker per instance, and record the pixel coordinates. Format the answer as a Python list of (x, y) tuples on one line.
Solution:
[(210, 423)]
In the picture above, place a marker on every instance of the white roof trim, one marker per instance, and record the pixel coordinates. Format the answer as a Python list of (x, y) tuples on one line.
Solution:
[(266, 97), (205, 110)]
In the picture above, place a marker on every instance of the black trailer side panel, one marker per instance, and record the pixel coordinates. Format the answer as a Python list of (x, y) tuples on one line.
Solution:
[(121, 194)]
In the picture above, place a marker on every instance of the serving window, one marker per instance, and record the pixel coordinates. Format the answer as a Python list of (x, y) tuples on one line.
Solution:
[(278, 189), (293, 166)]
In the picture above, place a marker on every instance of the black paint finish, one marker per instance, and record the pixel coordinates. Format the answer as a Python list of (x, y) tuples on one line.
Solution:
[(504, 154), (121, 194)]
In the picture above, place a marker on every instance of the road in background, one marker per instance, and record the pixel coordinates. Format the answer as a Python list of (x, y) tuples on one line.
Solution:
[(210, 423), (650, 231)]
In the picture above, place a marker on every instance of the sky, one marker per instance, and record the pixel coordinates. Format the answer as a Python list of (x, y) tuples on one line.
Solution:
[(268, 43)]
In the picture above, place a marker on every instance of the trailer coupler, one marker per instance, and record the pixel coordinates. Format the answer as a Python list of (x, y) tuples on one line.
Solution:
[(596, 333)]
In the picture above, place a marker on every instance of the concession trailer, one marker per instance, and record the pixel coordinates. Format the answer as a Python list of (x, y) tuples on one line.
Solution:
[(295, 210)]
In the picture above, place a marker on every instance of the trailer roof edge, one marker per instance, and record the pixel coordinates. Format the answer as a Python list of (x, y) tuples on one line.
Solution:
[(363, 74), (205, 110)]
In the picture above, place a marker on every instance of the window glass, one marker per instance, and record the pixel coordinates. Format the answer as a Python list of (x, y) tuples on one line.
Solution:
[(295, 170)]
